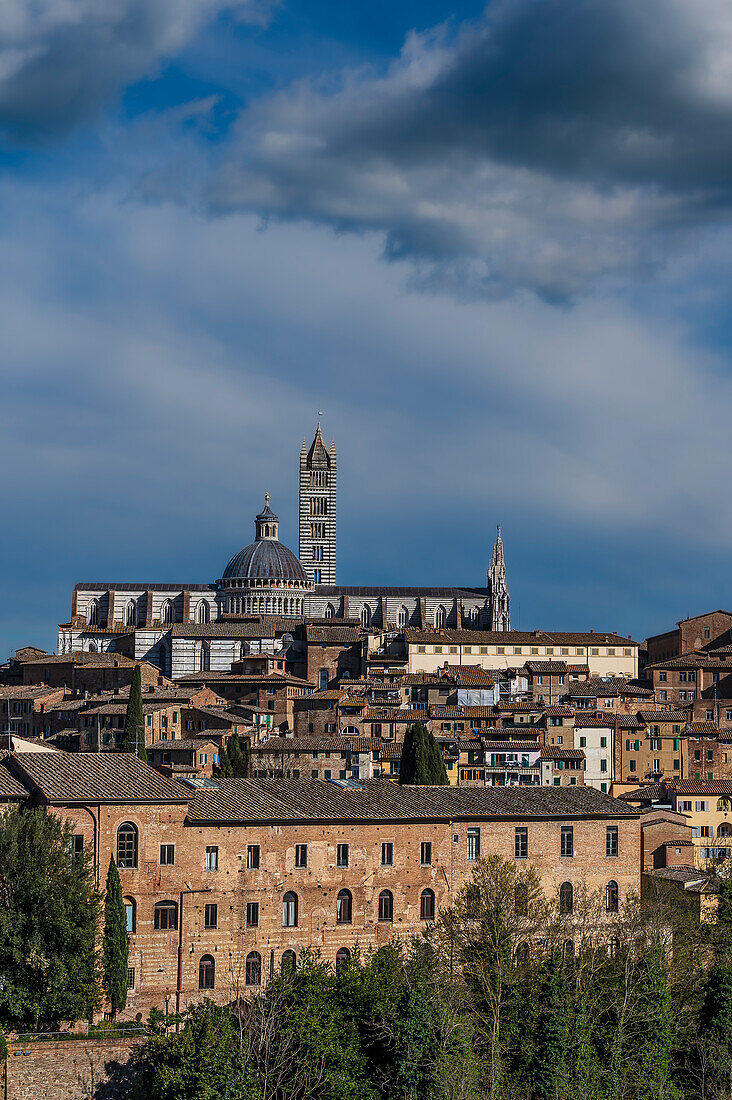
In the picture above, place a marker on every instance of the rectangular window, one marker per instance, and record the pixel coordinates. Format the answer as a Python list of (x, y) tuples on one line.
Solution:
[(253, 857), (130, 977), (167, 855), (473, 846), (425, 853), (387, 854), (77, 848), (301, 855), (566, 849), (603, 765), (212, 858), (211, 916), (521, 842), (252, 914), (632, 765), (603, 742), (611, 840), (342, 855), (583, 743)]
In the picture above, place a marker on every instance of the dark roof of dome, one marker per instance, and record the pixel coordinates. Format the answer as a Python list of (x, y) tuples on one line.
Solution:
[(265, 560)]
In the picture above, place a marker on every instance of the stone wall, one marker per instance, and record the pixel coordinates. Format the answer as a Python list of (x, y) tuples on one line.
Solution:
[(72, 1070)]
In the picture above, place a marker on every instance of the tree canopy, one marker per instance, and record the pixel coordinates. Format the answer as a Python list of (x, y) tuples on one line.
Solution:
[(115, 945), (49, 913), (421, 760), (133, 738)]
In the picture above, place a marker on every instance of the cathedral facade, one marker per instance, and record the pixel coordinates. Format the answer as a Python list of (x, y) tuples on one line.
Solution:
[(185, 628)]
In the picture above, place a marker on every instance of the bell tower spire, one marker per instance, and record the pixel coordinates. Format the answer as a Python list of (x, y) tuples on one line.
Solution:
[(318, 471), (499, 599)]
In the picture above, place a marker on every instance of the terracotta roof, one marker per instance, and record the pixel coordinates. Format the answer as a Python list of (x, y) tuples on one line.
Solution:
[(659, 716), (556, 668), (10, 789), (516, 637), (596, 721), (549, 752), (700, 786), (232, 629), (94, 777), (704, 729), (295, 745), (559, 712), (186, 743), (439, 710), (305, 800), (27, 691), (335, 635), (395, 714), (651, 792), (607, 686), (511, 746)]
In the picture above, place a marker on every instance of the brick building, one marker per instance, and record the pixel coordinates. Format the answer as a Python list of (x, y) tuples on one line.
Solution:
[(220, 883)]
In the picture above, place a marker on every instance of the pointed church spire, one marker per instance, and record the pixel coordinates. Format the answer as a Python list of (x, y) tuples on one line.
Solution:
[(499, 599)]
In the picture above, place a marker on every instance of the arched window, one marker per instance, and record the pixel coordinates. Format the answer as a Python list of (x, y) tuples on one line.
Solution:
[(127, 837), (568, 950), (131, 613), (402, 618), (386, 906), (289, 910), (203, 614), (440, 616), (566, 898), (253, 970), (724, 805), (167, 614), (92, 614), (427, 905), (330, 611), (521, 900), (365, 616), (523, 954), (342, 957), (725, 829), (343, 907), (204, 657), (166, 916), (612, 896), (130, 915), (92, 647), (243, 650), (289, 962), (206, 972)]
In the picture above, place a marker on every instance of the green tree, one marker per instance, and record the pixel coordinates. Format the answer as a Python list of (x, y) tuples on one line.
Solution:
[(133, 738), (549, 1068), (202, 1062), (436, 762), (49, 913), (416, 764), (237, 759), (115, 945)]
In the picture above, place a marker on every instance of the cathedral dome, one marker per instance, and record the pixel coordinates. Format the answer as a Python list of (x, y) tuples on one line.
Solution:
[(267, 560)]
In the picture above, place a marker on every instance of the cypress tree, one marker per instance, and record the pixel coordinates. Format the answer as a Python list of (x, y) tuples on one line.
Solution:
[(236, 757), (437, 771), (550, 1050), (133, 739), (115, 947), (406, 763)]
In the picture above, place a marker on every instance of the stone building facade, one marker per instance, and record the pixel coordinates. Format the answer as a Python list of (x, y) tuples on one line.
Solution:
[(225, 885)]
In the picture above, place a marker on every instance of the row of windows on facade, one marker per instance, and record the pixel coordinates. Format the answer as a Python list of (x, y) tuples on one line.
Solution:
[(128, 847), (201, 614), (265, 605), (165, 913)]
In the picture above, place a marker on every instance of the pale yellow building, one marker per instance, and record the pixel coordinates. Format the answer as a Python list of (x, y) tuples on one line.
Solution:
[(605, 654)]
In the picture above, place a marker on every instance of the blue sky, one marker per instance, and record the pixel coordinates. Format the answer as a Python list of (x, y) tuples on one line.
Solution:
[(491, 243)]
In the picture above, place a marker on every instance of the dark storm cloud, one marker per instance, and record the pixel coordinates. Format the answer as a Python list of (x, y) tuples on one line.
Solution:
[(545, 146), (61, 60)]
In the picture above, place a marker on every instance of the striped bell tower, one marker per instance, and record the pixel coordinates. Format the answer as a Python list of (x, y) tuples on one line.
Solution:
[(317, 549)]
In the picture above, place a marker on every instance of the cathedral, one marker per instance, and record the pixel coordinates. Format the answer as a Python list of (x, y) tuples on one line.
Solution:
[(190, 627)]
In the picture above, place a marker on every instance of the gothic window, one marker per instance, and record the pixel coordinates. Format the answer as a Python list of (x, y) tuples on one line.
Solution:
[(127, 837), (330, 611), (204, 657), (386, 906), (203, 615), (167, 614), (427, 905), (343, 907), (206, 972), (92, 647), (289, 910), (365, 616), (612, 896), (131, 613), (402, 618), (342, 957), (289, 962), (440, 616), (92, 615), (253, 972), (566, 898)]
